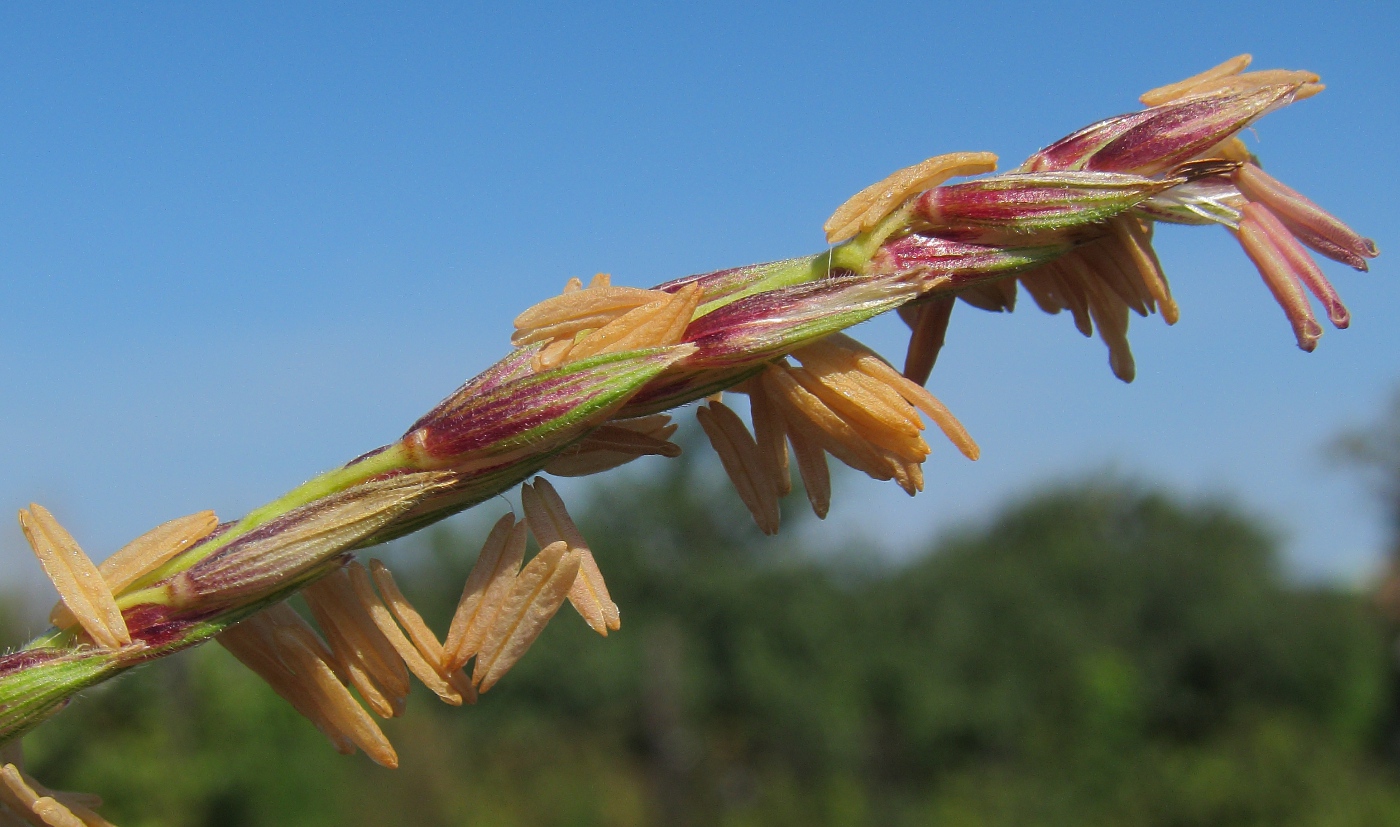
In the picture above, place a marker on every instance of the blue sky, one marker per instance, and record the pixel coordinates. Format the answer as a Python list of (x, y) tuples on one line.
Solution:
[(242, 243)]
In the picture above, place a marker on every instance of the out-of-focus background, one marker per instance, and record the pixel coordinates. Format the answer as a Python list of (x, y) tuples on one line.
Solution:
[(240, 244)]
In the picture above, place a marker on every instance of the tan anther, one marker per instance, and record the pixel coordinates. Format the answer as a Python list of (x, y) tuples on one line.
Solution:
[(1113, 269), (418, 631), (600, 280), (144, 555), (989, 296), (1172, 91), (738, 453), (1278, 271), (1110, 315), (534, 598), (1232, 148), (573, 285), (915, 394), (550, 522), (1252, 81), (608, 447), (568, 314), (26, 803), (375, 669), (864, 411), (770, 436), (1134, 239), (417, 663), (1054, 290), (865, 209), (551, 355), (928, 327), (338, 704), (486, 587), (656, 324), (80, 585), (816, 476), (254, 643), (807, 416)]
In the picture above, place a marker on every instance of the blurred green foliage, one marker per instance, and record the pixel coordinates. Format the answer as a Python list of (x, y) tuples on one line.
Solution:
[(1097, 654)]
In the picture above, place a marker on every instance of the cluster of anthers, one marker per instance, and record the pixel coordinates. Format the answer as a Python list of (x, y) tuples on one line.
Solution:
[(585, 389), (370, 637)]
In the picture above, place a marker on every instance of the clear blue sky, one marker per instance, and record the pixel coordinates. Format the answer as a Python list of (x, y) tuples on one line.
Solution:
[(241, 243)]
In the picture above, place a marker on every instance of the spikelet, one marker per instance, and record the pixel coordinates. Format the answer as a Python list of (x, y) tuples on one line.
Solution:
[(550, 522), (144, 555), (79, 583), (534, 597), (616, 443), (485, 589)]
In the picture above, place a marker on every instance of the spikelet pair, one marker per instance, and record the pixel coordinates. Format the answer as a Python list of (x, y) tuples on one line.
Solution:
[(24, 801), (87, 592), (504, 608), (365, 647), (843, 400), (583, 322)]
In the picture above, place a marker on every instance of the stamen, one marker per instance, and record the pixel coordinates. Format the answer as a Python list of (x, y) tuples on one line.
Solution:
[(601, 280), (806, 414), (873, 366), (1110, 315), (573, 285), (991, 297), (551, 355), (1172, 91), (253, 642), (570, 313), (22, 798), (534, 598), (338, 704), (1106, 261), (426, 672), (80, 585), (769, 436), (738, 453), (865, 209), (486, 587), (648, 435), (362, 650), (550, 522), (143, 555), (656, 324), (1313, 225), (816, 476), (1252, 81), (928, 329), (1135, 241), (1279, 274)]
